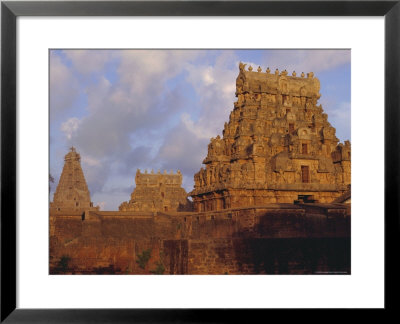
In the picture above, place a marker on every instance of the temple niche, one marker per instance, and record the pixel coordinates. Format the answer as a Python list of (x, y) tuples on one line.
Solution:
[(277, 145), (158, 192), (72, 193)]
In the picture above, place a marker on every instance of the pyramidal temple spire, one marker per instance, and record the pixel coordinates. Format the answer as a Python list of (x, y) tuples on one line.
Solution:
[(72, 192), (276, 147)]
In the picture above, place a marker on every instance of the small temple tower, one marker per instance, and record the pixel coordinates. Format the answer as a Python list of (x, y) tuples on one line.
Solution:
[(158, 192), (277, 147), (72, 192)]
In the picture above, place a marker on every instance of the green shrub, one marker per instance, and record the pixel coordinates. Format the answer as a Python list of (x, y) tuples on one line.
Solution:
[(159, 268), (64, 262), (143, 258)]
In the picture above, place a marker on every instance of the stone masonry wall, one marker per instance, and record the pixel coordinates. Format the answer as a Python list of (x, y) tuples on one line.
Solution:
[(233, 241)]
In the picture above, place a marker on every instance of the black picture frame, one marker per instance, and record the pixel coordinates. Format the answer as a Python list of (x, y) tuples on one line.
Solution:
[(10, 10)]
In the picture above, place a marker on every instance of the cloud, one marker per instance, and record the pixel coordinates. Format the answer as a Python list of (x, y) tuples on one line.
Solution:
[(126, 116), (183, 150), (185, 146), (70, 127), (215, 98), (96, 171), (140, 157), (91, 162), (196, 128), (136, 101), (306, 60), (64, 87), (86, 62)]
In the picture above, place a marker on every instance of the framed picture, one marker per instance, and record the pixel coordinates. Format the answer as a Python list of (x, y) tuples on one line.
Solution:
[(34, 37)]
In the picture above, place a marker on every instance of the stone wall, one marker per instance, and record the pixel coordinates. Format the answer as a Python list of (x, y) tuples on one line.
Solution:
[(269, 256), (230, 241)]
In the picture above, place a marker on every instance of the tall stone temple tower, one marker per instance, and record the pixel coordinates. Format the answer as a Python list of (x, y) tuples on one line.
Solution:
[(72, 192), (277, 145), (157, 192)]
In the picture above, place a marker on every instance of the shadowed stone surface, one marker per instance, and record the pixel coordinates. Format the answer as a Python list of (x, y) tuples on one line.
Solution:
[(271, 239)]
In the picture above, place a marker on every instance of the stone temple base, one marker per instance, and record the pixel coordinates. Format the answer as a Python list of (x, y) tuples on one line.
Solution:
[(237, 198)]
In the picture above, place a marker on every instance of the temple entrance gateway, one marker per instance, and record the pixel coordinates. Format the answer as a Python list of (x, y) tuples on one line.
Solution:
[(275, 145)]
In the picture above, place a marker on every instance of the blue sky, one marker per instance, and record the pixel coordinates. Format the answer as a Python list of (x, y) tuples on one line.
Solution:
[(158, 109)]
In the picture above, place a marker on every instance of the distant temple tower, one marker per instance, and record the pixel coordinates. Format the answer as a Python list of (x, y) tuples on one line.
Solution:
[(72, 192), (157, 192), (278, 145)]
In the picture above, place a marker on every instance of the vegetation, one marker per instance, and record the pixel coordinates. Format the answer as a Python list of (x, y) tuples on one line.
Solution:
[(159, 268), (63, 263), (143, 258), (51, 180)]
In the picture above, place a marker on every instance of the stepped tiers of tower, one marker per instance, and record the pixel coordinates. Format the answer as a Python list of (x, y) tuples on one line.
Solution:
[(157, 192), (277, 145), (72, 192)]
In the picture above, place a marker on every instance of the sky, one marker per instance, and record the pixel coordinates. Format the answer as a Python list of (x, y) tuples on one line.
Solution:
[(157, 109)]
